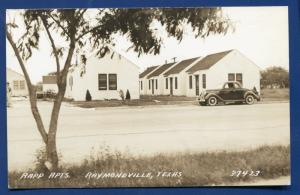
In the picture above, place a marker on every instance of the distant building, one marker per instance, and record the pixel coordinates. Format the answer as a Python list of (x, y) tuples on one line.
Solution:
[(176, 77), (156, 80), (49, 83), (189, 77), (105, 78), (144, 81), (16, 82), (212, 71)]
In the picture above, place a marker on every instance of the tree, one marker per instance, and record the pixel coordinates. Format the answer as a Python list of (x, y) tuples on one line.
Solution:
[(88, 96), (275, 76), (75, 28), (127, 95)]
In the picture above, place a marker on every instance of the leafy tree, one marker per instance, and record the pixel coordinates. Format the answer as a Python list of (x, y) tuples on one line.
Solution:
[(275, 76), (76, 28)]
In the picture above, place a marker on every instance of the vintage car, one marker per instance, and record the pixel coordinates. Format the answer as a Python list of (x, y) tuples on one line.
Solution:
[(232, 92)]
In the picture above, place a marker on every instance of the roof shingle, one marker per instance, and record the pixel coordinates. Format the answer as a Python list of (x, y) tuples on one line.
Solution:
[(181, 66), (208, 61), (147, 71), (160, 70)]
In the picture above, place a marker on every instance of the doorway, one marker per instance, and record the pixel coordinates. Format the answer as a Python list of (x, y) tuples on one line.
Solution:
[(152, 86)]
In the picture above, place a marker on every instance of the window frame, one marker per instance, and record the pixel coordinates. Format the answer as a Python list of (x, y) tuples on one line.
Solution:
[(236, 76), (231, 74), (191, 81), (109, 81), (176, 82), (71, 82), (99, 75), (16, 85), (167, 83), (204, 82), (22, 85)]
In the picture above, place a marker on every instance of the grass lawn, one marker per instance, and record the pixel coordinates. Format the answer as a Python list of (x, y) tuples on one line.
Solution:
[(186, 169), (146, 100), (275, 94), (143, 101)]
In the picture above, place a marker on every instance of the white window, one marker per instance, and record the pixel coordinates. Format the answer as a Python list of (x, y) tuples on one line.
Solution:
[(112, 81), (102, 81), (22, 85), (16, 85)]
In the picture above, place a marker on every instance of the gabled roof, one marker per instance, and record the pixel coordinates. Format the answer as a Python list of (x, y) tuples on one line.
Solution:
[(160, 70), (15, 72), (147, 71), (208, 61), (181, 66)]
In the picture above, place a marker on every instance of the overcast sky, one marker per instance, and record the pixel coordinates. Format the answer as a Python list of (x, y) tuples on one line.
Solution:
[(261, 33)]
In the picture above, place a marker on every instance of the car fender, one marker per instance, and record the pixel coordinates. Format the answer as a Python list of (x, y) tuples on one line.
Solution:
[(252, 93), (213, 94)]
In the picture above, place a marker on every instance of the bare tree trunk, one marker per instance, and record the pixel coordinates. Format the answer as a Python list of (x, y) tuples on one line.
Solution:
[(51, 150), (52, 155), (50, 138)]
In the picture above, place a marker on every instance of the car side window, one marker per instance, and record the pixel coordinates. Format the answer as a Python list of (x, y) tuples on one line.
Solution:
[(231, 85), (236, 86)]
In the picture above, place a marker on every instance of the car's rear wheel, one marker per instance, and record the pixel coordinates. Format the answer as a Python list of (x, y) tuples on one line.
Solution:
[(212, 101), (249, 99)]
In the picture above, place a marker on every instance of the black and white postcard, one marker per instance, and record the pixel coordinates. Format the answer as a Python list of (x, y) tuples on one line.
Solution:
[(147, 97)]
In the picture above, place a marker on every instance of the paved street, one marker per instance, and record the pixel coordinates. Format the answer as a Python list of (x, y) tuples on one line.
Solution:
[(147, 130)]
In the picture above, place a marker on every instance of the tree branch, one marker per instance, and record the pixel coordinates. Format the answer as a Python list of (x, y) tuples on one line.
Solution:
[(69, 56), (59, 24), (87, 32), (54, 50), (31, 89), (81, 14)]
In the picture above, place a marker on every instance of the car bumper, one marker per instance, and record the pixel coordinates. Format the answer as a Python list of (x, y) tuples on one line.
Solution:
[(201, 99), (258, 99)]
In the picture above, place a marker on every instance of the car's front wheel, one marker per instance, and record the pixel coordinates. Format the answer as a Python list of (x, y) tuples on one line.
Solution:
[(249, 99), (212, 101)]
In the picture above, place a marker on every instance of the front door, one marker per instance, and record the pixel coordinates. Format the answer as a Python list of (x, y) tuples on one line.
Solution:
[(171, 86), (197, 84), (152, 86)]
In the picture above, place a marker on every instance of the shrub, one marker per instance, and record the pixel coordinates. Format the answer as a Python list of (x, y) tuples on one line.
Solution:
[(127, 95), (88, 96), (121, 93), (51, 94)]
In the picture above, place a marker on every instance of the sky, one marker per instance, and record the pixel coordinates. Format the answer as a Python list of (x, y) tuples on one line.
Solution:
[(261, 34)]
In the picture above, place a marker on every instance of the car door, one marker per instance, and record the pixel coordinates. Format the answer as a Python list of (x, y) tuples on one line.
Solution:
[(225, 92), (238, 92)]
